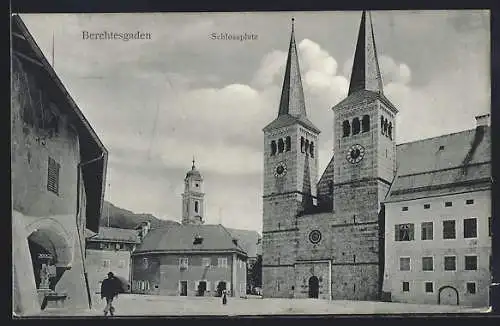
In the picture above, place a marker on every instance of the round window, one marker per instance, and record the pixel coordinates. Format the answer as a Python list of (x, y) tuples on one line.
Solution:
[(315, 236)]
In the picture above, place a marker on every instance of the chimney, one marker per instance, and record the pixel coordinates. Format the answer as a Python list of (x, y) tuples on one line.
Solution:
[(483, 120)]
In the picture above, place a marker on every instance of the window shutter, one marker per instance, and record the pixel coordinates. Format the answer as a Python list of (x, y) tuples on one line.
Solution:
[(412, 232)]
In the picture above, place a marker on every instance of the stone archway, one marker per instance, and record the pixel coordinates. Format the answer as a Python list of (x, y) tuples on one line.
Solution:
[(448, 295), (313, 287)]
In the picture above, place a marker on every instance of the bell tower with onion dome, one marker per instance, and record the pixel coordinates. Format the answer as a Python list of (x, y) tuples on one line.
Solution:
[(192, 199)]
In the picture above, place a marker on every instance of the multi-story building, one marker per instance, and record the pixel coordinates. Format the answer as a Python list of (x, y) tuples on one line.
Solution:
[(58, 175), (438, 220), (191, 259), (110, 251)]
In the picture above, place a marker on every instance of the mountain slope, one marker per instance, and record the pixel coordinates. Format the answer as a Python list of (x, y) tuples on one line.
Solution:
[(125, 219)]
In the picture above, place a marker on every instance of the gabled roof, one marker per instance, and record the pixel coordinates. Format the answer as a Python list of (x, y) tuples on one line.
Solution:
[(367, 97), (180, 238), (288, 120), (116, 235), (248, 240), (27, 51), (443, 164)]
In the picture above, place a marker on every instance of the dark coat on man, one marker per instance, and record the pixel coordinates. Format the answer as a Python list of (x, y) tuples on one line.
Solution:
[(110, 287)]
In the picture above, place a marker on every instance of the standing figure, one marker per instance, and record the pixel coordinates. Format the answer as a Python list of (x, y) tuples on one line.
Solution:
[(109, 289), (224, 297), (44, 277)]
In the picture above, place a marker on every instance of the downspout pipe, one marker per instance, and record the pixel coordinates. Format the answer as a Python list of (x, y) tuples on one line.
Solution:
[(83, 252)]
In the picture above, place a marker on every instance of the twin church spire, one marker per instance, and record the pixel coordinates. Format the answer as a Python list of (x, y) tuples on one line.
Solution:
[(365, 71)]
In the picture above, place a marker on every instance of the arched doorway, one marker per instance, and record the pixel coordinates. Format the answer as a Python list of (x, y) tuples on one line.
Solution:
[(50, 256), (221, 286), (448, 295), (313, 287)]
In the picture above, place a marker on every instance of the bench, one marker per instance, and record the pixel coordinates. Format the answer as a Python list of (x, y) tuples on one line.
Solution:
[(53, 297)]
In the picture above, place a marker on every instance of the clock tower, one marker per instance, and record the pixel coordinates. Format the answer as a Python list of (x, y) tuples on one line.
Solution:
[(290, 174), (193, 197)]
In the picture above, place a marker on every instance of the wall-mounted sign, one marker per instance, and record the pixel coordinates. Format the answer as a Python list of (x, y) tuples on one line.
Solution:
[(44, 256)]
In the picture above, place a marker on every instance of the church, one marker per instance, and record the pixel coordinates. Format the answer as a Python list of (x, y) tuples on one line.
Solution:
[(324, 236)]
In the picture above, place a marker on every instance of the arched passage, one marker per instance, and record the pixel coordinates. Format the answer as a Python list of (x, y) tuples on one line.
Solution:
[(313, 287), (448, 295)]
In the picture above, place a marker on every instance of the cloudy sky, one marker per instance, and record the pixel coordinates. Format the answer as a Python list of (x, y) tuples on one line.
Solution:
[(157, 102)]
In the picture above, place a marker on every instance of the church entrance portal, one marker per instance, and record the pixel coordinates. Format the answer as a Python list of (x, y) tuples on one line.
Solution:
[(313, 287)]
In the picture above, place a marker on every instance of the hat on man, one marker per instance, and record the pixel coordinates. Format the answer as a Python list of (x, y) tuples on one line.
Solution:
[(110, 274)]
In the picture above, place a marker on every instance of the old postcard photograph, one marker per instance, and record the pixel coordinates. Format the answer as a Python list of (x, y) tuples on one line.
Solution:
[(251, 163)]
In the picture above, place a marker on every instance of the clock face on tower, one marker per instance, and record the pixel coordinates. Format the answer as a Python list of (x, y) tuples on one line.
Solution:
[(355, 154), (280, 170)]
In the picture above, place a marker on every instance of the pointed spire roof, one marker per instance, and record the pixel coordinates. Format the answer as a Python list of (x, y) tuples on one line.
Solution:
[(292, 95), (292, 107), (193, 172), (365, 68)]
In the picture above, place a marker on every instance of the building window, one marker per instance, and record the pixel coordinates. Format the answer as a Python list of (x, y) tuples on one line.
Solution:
[(281, 145), (118, 246), (288, 143), (101, 245), (106, 263), (427, 206), (121, 264), (470, 228), (356, 126), (389, 130), (404, 263), (406, 286), (469, 202), (404, 209), (273, 148), (302, 144), (449, 229), (404, 232), (306, 148), (346, 127), (222, 262), (382, 125), (470, 263), (53, 176), (183, 262), (427, 264), (448, 204), (311, 149), (471, 287), (366, 123), (450, 263), (427, 231), (429, 287), (385, 127), (489, 226), (205, 262), (196, 206)]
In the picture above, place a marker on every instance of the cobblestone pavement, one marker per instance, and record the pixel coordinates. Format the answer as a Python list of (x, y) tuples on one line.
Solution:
[(144, 305)]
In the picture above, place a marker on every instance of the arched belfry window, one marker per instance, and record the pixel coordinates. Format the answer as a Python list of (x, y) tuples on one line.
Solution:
[(346, 127), (389, 130), (281, 145), (366, 123), (288, 143), (196, 208), (382, 125), (311, 149), (306, 149), (302, 144), (273, 147), (385, 127), (355, 126)]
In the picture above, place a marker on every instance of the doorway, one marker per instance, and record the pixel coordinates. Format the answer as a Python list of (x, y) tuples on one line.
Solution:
[(221, 287), (202, 287), (448, 295), (313, 287), (184, 288)]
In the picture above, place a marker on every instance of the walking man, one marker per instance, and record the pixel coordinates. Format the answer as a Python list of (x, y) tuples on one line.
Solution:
[(224, 297), (109, 289)]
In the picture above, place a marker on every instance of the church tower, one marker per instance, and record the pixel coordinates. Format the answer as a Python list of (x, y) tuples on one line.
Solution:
[(290, 180), (192, 198), (364, 156)]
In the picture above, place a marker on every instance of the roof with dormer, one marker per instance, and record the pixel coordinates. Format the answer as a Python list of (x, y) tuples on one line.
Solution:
[(292, 109), (180, 239), (442, 165)]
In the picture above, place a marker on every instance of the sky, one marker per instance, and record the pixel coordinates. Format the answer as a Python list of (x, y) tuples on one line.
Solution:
[(157, 102)]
